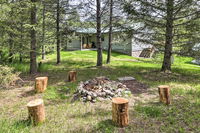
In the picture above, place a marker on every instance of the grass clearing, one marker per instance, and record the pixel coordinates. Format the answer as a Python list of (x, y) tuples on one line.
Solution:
[(146, 114)]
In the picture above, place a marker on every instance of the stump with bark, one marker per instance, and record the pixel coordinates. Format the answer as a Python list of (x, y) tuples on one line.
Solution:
[(36, 111), (41, 84), (164, 93), (120, 112), (72, 76)]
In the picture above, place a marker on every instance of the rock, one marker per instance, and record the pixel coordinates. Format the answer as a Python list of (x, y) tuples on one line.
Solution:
[(119, 90), (126, 78), (108, 92), (101, 94), (112, 94), (84, 99), (94, 100), (120, 85), (100, 89), (80, 90), (93, 95), (119, 95), (89, 98), (107, 99), (100, 99), (124, 86), (86, 82), (110, 98)]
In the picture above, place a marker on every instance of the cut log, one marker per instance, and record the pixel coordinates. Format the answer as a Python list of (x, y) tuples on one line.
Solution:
[(41, 84), (164, 93), (120, 112), (36, 111), (72, 76)]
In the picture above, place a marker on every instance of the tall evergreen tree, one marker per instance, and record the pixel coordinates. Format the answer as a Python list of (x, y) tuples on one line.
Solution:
[(110, 33), (58, 31), (43, 30), (33, 55), (163, 20), (98, 21)]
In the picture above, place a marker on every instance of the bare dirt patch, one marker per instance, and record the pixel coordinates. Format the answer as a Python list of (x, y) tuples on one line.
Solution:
[(135, 86)]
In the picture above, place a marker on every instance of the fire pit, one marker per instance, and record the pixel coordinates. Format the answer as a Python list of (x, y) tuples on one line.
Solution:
[(101, 88)]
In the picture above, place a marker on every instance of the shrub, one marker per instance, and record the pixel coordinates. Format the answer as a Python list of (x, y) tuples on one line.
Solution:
[(7, 76)]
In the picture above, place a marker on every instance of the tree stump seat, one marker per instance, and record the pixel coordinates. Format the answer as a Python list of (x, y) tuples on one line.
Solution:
[(36, 111), (41, 84), (120, 112), (72, 76), (164, 94)]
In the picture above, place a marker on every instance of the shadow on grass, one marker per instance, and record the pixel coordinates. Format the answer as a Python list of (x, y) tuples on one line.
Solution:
[(105, 126), (22, 123), (181, 116), (98, 111), (28, 93), (149, 74)]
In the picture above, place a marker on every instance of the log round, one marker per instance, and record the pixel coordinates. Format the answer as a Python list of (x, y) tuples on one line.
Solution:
[(120, 114), (41, 84), (36, 111), (164, 94), (72, 76)]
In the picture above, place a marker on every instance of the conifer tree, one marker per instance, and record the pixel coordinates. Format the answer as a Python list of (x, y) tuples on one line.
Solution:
[(162, 22)]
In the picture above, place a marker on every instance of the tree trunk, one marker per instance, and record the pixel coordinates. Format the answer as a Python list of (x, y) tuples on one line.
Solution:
[(99, 47), (36, 111), (20, 58), (21, 45), (10, 59), (41, 84), (166, 66), (11, 36), (120, 112), (110, 33), (43, 32), (33, 56), (58, 31)]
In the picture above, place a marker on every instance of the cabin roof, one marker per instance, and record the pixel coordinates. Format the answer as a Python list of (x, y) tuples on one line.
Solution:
[(106, 30), (93, 30)]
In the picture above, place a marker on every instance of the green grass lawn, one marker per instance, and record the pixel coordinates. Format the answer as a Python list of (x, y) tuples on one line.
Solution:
[(146, 113)]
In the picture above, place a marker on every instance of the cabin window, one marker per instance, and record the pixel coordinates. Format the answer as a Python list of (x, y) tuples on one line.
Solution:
[(76, 34)]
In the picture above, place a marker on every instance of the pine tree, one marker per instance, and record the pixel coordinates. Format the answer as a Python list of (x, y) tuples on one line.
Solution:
[(110, 33), (98, 21), (163, 20), (33, 55)]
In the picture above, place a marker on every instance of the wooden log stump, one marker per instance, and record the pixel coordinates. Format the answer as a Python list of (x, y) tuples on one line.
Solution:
[(36, 111), (120, 112), (72, 76), (164, 93), (41, 84)]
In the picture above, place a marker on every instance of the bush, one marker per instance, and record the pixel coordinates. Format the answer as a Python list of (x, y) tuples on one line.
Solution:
[(7, 76)]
